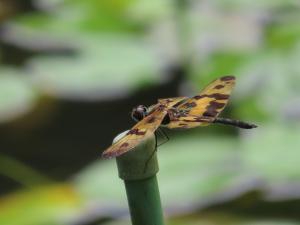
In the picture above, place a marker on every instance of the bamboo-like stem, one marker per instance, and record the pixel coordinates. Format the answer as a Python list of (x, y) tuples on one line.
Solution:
[(138, 169), (144, 201)]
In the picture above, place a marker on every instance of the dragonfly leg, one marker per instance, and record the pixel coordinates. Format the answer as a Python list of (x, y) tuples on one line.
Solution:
[(163, 134), (152, 154)]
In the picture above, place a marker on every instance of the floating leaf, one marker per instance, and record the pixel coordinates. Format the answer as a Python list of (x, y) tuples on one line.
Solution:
[(105, 66), (17, 96), (44, 205)]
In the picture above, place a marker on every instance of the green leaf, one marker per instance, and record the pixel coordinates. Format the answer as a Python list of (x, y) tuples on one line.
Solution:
[(272, 152), (195, 161), (39, 206), (17, 96), (105, 66)]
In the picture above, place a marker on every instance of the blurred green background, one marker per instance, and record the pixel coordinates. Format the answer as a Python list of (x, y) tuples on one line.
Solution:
[(71, 71)]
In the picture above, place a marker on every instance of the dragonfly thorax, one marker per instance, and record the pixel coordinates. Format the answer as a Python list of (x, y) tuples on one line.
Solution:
[(138, 113)]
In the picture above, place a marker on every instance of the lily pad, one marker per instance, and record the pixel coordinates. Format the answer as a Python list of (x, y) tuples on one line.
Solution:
[(17, 96), (103, 67), (43, 205), (201, 165)]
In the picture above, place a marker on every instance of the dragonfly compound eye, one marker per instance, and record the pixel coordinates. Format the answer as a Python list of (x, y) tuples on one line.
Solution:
[(139, 113)]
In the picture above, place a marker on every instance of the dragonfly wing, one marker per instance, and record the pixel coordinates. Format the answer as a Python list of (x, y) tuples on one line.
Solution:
[(141, 131), (170, 102), (188, 121), (211, 100)]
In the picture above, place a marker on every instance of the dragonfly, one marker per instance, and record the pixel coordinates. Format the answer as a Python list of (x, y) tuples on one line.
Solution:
[(202, 109)]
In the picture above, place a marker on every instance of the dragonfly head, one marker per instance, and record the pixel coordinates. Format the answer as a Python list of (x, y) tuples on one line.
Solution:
[(138, 113)]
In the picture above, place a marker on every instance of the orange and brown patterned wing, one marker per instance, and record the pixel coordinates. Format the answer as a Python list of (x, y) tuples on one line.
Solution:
[(141, 131), (189, 121), (169, 102), (211, 100), (202, 109)]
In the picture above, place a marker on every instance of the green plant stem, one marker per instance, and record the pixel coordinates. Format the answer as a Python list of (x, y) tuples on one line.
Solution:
[(138, 169), (21, 173), (144, 201)]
